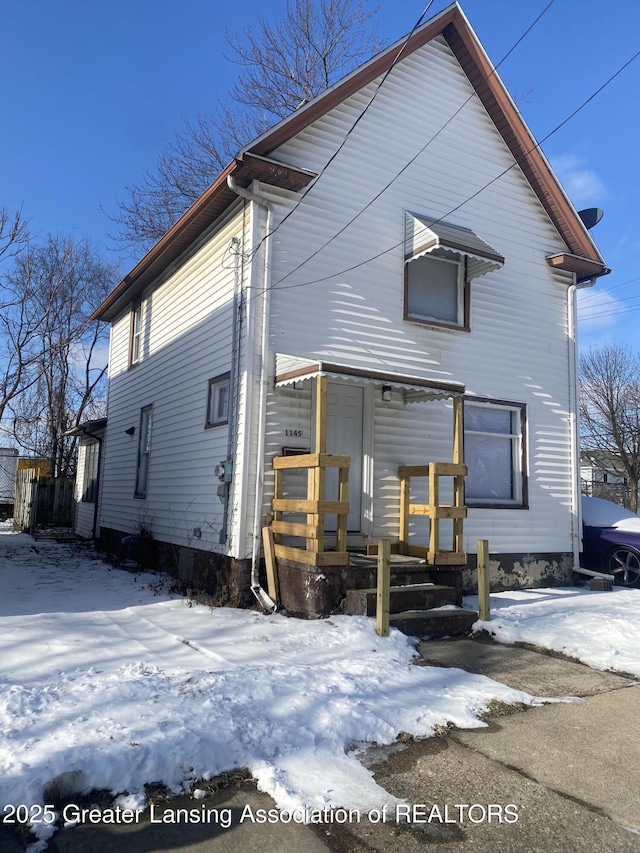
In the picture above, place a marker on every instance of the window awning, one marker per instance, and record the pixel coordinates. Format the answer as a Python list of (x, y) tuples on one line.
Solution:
[(291, 369), (424, 234)]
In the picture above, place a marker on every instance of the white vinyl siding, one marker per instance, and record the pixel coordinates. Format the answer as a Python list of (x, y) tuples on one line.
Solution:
[(517, 348), (84, 510), (186, 340)]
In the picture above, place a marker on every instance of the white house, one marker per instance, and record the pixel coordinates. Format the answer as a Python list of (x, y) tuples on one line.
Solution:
[(358, 290)]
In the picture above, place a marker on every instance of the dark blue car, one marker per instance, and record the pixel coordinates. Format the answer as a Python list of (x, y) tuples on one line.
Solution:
[(611, 540)]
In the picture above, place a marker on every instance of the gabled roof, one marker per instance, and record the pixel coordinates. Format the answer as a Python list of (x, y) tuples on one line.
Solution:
[(583, 257)]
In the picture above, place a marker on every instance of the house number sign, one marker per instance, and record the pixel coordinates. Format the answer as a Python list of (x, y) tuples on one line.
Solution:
[(294, 433)]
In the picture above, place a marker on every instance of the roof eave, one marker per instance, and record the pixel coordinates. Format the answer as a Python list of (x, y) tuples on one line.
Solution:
[(203, 212)]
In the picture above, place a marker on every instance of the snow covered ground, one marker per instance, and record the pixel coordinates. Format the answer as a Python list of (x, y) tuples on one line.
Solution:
[(597, 628), (109, 681)]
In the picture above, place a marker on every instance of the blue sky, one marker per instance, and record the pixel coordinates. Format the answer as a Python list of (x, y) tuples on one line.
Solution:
[(93, 91)]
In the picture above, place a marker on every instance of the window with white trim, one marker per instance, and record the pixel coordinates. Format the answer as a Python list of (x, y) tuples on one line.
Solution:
[(494, 450), (135, 334), (435, 289), (144, 452), (218, 400)]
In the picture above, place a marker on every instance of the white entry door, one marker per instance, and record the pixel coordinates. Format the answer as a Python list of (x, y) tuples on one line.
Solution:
[(344, 436)]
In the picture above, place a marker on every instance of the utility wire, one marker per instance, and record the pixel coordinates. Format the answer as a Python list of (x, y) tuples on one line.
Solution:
[(594, 294), (477, 193), (419, 153), (351, 129)]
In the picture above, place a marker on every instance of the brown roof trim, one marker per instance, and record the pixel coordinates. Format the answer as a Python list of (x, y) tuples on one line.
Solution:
[(584, 268), (453, 25), (376, 375), (203, 212)]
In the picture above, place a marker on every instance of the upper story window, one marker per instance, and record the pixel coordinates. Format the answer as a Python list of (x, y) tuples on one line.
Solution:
[(441, 259), (135, 334), (218, 400), (494, 450), (436, 290)]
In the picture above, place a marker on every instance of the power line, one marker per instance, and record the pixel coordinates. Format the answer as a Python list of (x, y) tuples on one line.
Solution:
[(351, 129), (477, 193), (594, 294), (419, 153), (595, 310)]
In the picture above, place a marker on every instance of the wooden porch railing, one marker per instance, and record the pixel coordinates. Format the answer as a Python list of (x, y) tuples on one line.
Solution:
[(316, 508), (435, 511)]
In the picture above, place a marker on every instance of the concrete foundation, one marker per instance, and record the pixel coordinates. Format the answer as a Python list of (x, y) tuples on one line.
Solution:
[(225, 579)]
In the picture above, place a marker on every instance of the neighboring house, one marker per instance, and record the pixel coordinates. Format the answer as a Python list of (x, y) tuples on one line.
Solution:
[(87, 487), (357, 289), (602, 476)]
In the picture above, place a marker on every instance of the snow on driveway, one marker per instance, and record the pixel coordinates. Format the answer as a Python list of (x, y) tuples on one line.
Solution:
[(108, 681)]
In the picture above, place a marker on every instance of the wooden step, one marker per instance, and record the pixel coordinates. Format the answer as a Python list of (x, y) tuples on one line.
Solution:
[(415, 596), (360, 577), (434, 624)]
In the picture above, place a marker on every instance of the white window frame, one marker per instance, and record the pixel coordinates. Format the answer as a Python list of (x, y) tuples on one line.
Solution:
[(461, 321), (144, 452), (217, 386), (135, 347), (517, 435)]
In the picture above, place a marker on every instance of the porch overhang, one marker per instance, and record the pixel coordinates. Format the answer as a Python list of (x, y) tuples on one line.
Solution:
[(291, 369), (425, 234)]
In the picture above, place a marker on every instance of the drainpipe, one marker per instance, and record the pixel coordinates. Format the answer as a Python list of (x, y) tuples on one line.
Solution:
[(576, 533), (234, 382), (267, 603)]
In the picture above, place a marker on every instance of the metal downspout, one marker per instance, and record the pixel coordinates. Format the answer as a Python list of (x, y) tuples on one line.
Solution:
[(236, 331), (576, 533), (260, 200)]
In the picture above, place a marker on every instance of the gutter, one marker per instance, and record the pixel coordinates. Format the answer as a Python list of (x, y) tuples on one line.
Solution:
[(576, 515), (264, 599)]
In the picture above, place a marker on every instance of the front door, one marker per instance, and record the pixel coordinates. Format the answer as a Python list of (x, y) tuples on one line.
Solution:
[(345, 404)]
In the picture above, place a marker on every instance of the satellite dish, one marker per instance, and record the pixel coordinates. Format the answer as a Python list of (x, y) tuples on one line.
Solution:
[(591, 216)]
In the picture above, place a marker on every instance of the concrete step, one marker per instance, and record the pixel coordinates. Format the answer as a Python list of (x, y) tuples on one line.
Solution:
[(434, 624), (415, 596)]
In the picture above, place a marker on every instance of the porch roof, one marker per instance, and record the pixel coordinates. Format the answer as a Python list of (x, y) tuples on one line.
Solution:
[(291, 368)]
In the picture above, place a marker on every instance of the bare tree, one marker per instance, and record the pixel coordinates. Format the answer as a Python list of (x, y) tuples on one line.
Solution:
[(18, 323), (284, 63), (13, 231), (62, 281), (610, 410)]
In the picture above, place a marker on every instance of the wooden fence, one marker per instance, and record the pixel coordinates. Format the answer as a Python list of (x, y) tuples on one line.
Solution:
[(42, 501)]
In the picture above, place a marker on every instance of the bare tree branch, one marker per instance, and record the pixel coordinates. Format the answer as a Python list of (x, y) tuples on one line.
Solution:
[(61, 281), (284, 63), (610, 410)]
